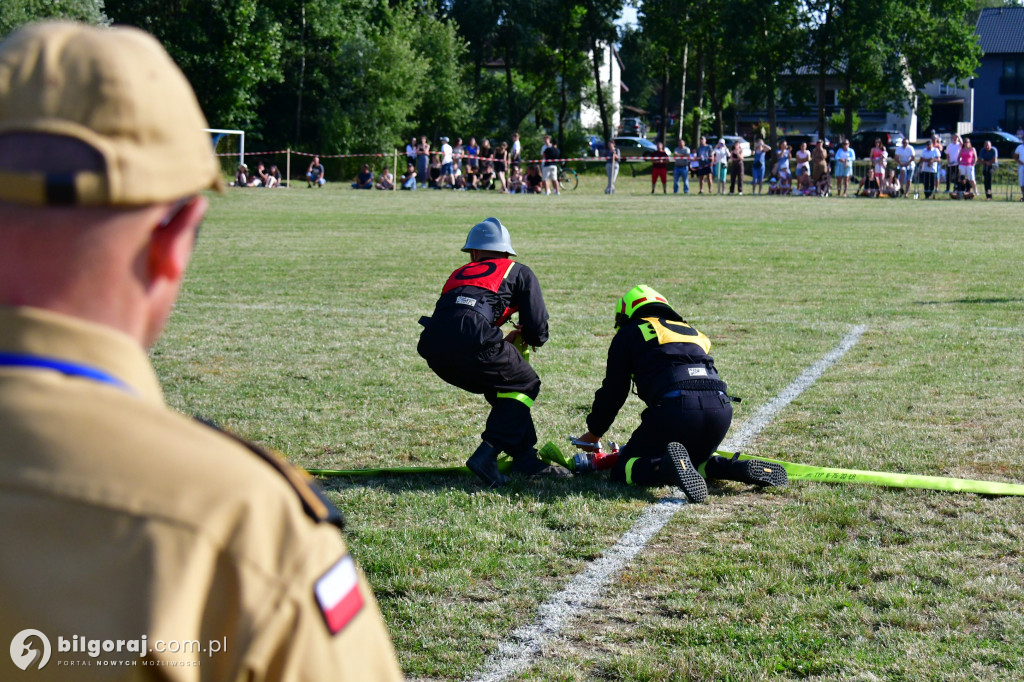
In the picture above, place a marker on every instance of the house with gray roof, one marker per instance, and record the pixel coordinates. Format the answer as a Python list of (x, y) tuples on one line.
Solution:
[(999, 83)]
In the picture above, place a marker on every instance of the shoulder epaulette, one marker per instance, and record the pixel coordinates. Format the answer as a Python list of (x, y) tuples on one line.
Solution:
[(314, 501)]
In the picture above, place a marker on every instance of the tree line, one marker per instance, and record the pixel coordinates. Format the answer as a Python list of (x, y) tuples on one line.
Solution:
[(349, 76)]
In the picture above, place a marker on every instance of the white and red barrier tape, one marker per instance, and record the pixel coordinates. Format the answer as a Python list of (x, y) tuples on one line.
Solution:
[(462, 156)]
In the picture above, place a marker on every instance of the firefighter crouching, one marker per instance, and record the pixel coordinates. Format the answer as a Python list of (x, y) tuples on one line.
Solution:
[(688, 410), (463, 344)]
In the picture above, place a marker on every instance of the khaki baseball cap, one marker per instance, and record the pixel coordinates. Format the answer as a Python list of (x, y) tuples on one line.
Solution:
[(115, 91)]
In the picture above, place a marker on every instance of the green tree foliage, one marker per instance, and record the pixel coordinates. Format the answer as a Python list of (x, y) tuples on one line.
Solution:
[(363, 75), (885, 49), (14, 13), (227, 48)]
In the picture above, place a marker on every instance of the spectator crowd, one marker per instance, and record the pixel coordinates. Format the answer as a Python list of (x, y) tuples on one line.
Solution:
[(820, 170)]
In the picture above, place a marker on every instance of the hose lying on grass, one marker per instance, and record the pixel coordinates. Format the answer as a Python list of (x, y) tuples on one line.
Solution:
[(796, 472)]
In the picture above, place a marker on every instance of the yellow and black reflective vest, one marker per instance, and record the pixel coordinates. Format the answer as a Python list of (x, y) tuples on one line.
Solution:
[(658, 354)]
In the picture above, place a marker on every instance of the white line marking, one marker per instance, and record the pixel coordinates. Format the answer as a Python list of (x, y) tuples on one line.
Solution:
[(516, 654), (771, 409)]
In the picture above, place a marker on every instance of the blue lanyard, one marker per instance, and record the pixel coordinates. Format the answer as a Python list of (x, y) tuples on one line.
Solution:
[(62, 366)]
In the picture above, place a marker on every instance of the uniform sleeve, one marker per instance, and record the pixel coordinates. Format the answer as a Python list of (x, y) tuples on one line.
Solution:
[(533, 314), (608, 399), (304, 638)]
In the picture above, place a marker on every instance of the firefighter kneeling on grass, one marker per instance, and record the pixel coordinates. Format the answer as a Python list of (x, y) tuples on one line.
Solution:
[(688, 408), (463, 344)]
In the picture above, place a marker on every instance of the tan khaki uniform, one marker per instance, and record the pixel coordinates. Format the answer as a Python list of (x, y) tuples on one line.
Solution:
[(121, 518)]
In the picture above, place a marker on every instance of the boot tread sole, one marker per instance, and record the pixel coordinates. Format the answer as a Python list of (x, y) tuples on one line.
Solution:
[(687, 478)]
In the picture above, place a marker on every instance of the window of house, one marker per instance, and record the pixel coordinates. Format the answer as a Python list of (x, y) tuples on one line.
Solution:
[(1012, 82), (1014, 115)]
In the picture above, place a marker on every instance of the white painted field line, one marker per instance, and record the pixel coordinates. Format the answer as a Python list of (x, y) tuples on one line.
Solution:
[(516, 654)]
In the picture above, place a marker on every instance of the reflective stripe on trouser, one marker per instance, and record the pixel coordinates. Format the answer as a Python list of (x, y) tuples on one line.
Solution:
[(629, 470), (515, 395), (510, 427)]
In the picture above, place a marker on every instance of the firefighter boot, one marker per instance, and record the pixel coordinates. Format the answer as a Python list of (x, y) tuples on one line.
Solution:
[(752, 471), (484, 463), (680, 471)]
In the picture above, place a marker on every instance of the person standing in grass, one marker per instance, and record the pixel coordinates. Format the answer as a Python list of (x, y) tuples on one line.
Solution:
[(967, 160), (930, 157), (659, 168), (719, 165), (952, 161), (989, 157), (1018, 156), (463, 344), (760, 151), (122, 518), (736, 169), (703, 165), (682, 167), (611, 165), (689, 410)]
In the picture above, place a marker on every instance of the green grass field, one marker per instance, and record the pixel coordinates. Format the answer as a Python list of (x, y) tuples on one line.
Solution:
[(297, 328)]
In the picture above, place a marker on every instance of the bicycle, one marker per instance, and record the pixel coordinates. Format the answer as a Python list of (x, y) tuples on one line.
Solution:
[(567, 178)]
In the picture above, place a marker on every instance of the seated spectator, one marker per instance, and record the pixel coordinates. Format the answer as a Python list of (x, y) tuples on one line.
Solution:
[(890, 185), (315, 173), (260, 177), (365, 178), (962, 188), (534, 180), (486, 180), (515, 181), (273, 177), (824, 185), (803, 173), (241, 176), (434, 172), (409, 179), (869, 186), (386, 180), (785, 181)]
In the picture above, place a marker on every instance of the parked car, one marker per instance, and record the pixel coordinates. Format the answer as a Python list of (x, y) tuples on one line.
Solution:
[(730, 140), (796, 139), (632, 127), (634, 146), (1005, 143), (596, 145), (863, 140)]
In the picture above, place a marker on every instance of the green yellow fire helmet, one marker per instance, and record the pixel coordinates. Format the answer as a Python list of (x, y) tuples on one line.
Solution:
[(633, 300)]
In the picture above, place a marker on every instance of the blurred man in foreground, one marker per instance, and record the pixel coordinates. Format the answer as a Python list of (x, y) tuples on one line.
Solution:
[(124, 523)]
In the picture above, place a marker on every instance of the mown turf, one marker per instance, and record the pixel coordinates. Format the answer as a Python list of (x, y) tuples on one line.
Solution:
[(297, 328)]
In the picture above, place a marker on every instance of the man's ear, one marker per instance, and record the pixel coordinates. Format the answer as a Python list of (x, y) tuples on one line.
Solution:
[(170, 246)]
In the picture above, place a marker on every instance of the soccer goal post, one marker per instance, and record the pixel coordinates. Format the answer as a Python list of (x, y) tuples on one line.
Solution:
[(218, 134)]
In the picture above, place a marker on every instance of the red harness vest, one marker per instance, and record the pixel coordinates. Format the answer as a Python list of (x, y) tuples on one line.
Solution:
[(487, 274)]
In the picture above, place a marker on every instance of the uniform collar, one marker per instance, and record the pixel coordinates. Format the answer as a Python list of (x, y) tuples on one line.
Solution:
[(37, 332)]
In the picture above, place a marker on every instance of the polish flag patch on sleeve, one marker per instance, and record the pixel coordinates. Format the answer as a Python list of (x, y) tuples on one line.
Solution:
[(338, 595)]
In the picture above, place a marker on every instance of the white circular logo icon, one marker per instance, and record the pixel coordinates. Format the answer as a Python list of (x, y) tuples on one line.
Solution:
[(26, 651)]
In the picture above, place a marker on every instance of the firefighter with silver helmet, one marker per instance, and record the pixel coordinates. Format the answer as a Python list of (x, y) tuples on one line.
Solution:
[(689, 410), (463, 344)]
